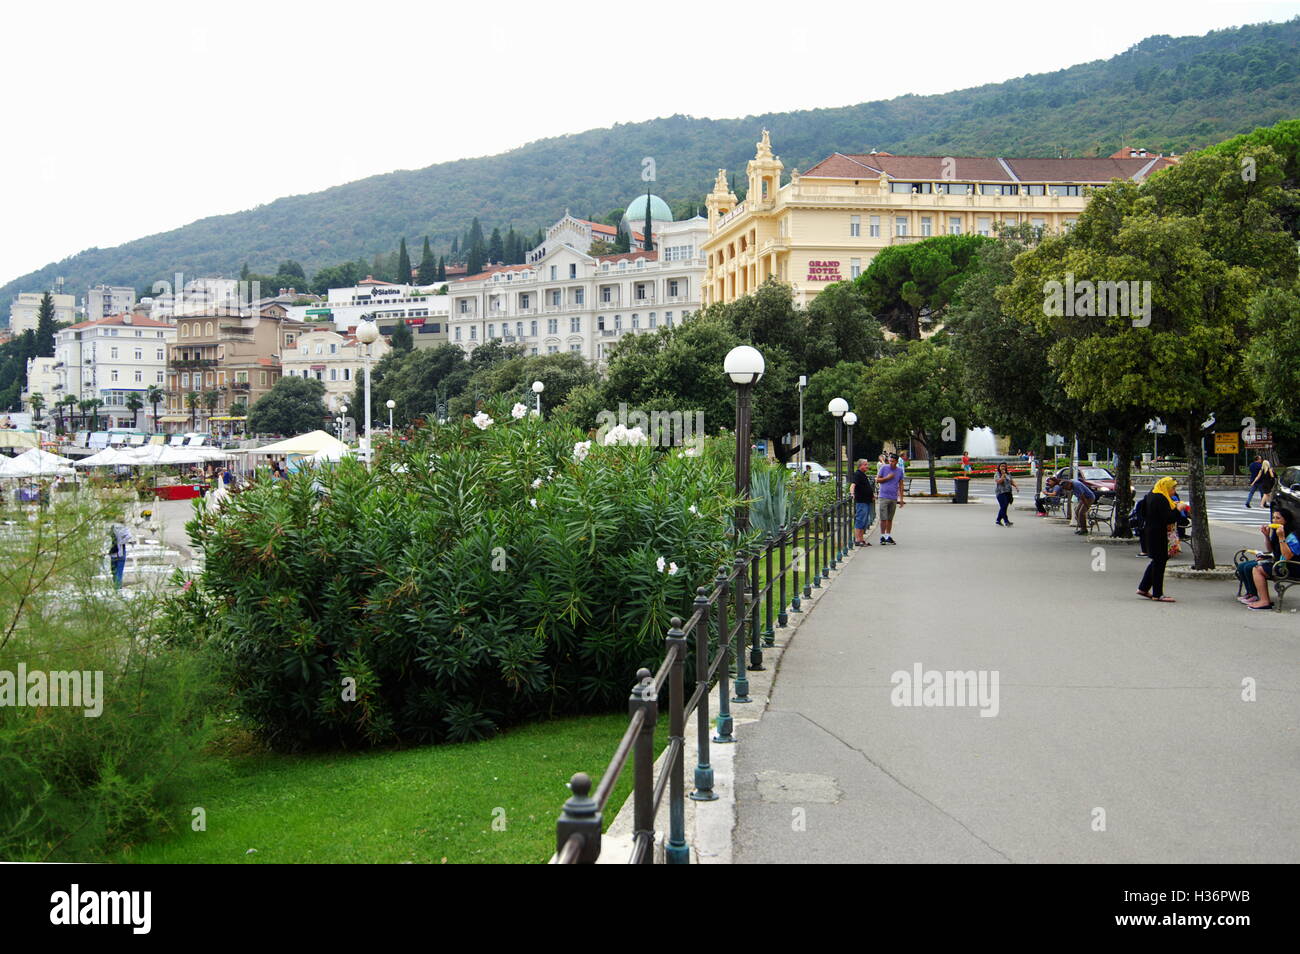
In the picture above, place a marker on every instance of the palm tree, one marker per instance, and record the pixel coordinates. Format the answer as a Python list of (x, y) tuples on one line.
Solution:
[(192, 402), (210, 401), (68, 401), (84, 407), (155, 396), (37, 401), (133, 404), (95, 404)]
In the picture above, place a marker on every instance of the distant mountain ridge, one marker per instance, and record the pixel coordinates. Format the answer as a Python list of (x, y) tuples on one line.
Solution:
[(1167, 94)]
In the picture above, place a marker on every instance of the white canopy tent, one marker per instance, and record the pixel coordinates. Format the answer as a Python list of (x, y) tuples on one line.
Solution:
[(109, 457), (304, 445), (36, 463)]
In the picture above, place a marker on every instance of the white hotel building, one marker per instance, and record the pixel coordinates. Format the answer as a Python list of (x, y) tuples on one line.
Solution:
[(565, 300), (420, 307), (109, 358)]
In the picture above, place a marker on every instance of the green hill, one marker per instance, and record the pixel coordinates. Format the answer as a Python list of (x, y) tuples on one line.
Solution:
[(1165, 93)]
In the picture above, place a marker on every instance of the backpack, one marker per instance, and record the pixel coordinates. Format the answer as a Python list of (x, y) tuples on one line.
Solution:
[(1137, 517)]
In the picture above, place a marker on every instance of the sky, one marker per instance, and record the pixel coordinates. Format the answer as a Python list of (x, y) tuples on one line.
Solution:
[(129, 118)]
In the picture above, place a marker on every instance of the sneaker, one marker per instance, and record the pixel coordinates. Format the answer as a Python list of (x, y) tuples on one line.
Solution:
[(892, 542), (883, 540), (1081, 533), (1009, 524)]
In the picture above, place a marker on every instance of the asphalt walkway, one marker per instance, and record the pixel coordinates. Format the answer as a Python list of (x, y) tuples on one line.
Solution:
[(1120, 734)]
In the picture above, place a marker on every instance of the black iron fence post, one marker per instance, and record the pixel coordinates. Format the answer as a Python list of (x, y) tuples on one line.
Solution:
[(810, 558), (645, 699), (703, 769), (755, 633), (827, 513), (720, 586), (580, 817), (769, 634), (781, 618), (738, 587), (676, 851)]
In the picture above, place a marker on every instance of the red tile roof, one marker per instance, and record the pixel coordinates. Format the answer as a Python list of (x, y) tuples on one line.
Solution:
[(630, 256), (493, 270), (371, 280), (984, 168), (136, 321)]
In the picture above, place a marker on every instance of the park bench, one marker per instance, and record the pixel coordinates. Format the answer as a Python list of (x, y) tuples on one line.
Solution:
[(1102, 514), (1286, 573), (1053, 506)]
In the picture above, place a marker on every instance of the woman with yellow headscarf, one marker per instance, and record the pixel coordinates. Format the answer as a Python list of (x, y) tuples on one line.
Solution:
[(1159, 511)]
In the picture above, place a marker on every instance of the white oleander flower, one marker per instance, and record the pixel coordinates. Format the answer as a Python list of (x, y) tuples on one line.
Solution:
[(581, 450), (635, 436), (532, 501), (614, 435), (537, 483), (672, 569), (482, 421), (693, 509), (661, 563), (518, 411)]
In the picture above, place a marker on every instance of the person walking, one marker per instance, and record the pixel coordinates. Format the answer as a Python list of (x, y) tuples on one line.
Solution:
[(119, 537), (1158, 514), (1004, 485), (1255, 466), (1265, 481), (889, 483), (864, 498)]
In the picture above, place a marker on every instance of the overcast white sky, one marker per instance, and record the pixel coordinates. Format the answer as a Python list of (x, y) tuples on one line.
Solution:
[(128, 118)]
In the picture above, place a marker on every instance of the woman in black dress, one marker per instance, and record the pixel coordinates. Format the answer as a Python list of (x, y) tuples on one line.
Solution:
[(1158, 513)]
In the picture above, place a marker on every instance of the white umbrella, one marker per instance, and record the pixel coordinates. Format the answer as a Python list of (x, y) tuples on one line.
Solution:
[(39, 463)]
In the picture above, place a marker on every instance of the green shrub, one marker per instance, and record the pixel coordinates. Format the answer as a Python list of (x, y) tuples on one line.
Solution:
[(443, 595), (74, 787)]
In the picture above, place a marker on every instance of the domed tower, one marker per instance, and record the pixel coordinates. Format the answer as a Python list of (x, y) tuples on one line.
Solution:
[(764, 172), (720, 201), (643, 207)]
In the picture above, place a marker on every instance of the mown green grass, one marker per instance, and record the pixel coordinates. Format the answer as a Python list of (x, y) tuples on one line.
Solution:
[(434, 804)]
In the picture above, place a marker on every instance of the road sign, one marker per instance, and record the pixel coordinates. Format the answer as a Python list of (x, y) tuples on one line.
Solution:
[(1263, 439), (1226, 443), (1055, 440)]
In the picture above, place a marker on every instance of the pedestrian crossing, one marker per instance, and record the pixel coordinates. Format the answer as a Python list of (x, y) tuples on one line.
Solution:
[(1229, 506)]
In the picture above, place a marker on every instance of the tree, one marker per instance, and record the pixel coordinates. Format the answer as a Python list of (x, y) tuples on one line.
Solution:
[(192, 402), (155, 396), (601, 247), (45, 327), (67, 402), (560, 373), (401, 339), (37, 402), (917, 395), (403, 263), (906, 284), (210, 401), (839, 327), (133, 404), (428, 273), (475, 249), (93, 405), (496, 247), (293, 406), (416, 381), (442, 268), (622, 241)]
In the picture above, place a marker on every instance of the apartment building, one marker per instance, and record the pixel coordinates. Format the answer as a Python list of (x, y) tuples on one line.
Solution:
[(110, 359), (26, 307), (334, 358)]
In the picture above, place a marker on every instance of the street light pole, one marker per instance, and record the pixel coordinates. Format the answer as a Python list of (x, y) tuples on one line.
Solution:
[(803, 383), (744, 366), (538, 388), (849, 420), (838, 407), (390, 405), (367, 334)]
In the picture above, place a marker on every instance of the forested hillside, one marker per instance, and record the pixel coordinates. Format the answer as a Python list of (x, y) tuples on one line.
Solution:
[(1165, 94)]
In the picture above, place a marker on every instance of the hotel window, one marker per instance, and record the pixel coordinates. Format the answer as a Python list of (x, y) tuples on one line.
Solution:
[(473, 333), (855, 226), (160, 377), (113, 375), (668, 319), (552, 273), (579, 296), (1034, 190), (640, 263), (900, 226), (910, 187), (576, 349), (139, 354), (982, 225), (139, 377), (639, 293), (954, 225), (605, 293), (1063, 190), (261, 376), (618, 322), (1069, 224), (573, 270), (185, 380), (600, 322), (185, 331), (636, 323), (532, 327), (555, 297), (552, 326), (552, 349), (519, 328), (925, 225), (575, 325), (334, 374), (653, 323), (1011, 220), (954, 188), (347, 374), (873, 227), (160, 354), (320, 348), (855, 267), (304, 349), (112, 354), (999, 189), (334, 348), (673, 286), (209, 330), (492, 331)]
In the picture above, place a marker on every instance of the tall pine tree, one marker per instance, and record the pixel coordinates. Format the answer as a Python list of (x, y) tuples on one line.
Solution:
[(403, 264), (428, 265), (496, 248), (45, 328), (648, 244), (442, 269), (477, 252)]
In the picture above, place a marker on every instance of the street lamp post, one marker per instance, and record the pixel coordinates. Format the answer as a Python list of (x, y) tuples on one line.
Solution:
[(343, 419), (838, 407), (849, 420), (367, 334), (744, 366), (803, 383), (390, 404), (538, 388)]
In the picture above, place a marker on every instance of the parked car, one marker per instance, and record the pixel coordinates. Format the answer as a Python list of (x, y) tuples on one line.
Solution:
[(1286, 493), (817, 472), (1099, 479)]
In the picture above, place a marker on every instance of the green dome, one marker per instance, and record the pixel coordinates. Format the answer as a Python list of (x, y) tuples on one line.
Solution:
[(635, 214)]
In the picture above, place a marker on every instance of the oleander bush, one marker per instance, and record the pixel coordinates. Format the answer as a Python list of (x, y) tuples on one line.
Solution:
[(481, 575)]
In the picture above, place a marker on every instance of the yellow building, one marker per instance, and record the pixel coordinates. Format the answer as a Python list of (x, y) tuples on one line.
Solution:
[(825, 225)]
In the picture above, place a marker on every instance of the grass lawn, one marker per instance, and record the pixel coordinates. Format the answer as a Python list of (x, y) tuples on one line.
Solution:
[(424, 805)]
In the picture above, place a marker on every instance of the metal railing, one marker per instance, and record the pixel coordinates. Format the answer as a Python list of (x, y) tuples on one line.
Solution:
[(737, 594)]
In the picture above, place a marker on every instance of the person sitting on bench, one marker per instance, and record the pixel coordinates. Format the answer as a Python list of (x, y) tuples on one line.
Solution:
[(1051, 488), (1283, 538)]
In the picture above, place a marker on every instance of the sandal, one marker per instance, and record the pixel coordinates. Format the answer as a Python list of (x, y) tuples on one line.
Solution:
[(1163, 599), (1145, 596), (1256, 606), (1247, 599)]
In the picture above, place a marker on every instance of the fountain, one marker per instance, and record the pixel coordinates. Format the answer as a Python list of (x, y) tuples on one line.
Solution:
[(981, 442)]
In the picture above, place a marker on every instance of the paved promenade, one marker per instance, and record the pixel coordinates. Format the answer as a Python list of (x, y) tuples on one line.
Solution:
[(1106, 703)]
